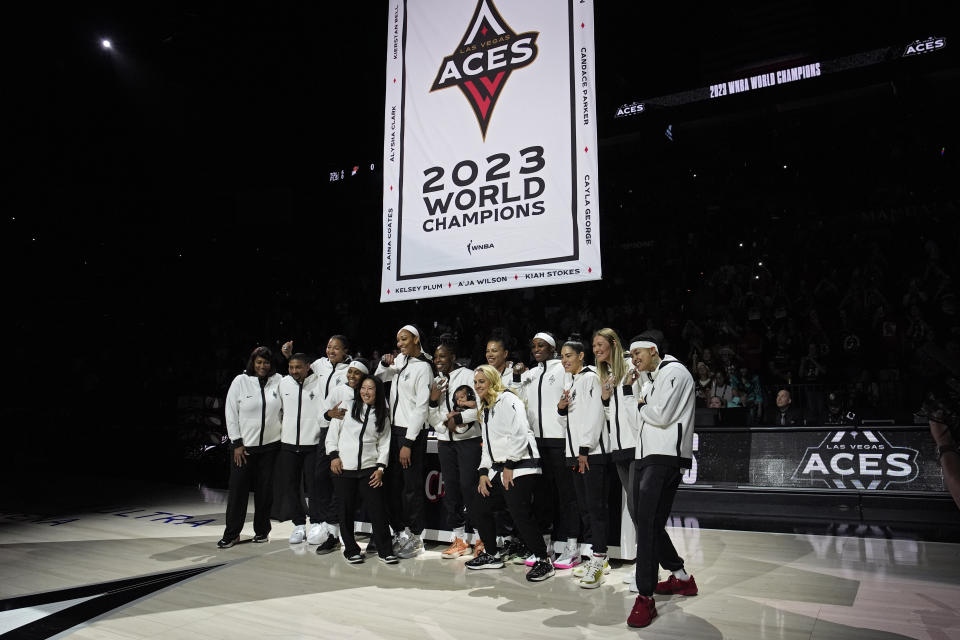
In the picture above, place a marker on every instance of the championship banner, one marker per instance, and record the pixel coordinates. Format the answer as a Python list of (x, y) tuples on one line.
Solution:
[(490, 147)]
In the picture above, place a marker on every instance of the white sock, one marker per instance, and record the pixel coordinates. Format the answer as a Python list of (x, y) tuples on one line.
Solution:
[(459, 532), (334, 529), (680, 574)]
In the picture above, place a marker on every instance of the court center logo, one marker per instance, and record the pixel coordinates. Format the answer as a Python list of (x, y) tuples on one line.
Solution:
[(854, 459), (483, 61)]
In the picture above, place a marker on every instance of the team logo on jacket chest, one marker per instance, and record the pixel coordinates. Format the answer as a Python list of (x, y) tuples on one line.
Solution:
[(311, 395), (406, 376), (552, 379), (483, 61)]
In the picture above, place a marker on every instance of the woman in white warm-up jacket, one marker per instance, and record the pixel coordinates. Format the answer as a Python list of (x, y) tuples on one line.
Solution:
[(555, 499), (509, 466), (588, 447), (458, 442), (253, 415), (619, 395), (331, 372), (359, 446), (410, 375)]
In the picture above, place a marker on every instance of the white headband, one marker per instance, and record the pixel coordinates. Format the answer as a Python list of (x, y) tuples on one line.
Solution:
[(642, 344), (359, 366), (409, 327), (546, 337)]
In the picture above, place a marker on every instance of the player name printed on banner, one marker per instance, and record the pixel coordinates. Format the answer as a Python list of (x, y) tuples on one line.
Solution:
[(490, 167)]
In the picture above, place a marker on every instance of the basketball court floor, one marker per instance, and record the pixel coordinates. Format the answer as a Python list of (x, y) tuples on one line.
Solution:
[(147, 566)]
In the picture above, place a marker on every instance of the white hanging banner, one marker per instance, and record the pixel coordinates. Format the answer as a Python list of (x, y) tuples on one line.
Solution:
[(490, 147)]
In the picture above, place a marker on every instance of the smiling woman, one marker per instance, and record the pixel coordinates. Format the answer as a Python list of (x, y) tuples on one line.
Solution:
[(253, 409)]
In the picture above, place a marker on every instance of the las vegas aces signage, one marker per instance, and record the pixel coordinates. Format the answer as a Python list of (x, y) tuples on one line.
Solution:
[(490, 152)]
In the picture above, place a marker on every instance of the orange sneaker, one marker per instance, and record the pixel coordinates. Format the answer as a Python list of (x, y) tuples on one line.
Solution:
[(478, 548), (456, 549)]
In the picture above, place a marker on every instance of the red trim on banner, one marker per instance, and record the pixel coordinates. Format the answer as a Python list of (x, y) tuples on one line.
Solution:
[(482, 104), (492, 86)]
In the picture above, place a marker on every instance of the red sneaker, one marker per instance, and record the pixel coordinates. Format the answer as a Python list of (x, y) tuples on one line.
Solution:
[(677, 587), (643, 613)]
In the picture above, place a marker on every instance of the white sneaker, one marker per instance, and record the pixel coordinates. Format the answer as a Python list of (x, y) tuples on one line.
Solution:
[(297, 535), (584, 568), (594, 573), (569, 559), (318, 534)]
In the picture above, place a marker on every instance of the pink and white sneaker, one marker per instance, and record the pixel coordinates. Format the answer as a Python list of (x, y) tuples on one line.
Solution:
[(568, 559)]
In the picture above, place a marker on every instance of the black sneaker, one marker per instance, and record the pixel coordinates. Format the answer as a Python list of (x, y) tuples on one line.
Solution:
[(261, 537), (226, 543), (485, 561), (371, 547), (354, 558), (329, 545), (391, 559), (541, 570)]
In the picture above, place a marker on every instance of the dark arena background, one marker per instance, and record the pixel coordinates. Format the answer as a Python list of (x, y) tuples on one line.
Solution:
[(185, 181)]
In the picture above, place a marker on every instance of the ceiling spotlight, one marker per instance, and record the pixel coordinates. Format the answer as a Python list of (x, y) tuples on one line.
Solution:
[(106, 44)]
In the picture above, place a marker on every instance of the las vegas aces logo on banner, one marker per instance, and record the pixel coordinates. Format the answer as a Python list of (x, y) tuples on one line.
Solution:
[(490, 169)]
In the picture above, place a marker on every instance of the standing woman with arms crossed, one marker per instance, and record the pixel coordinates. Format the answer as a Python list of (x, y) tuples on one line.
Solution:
[(458, 444), (411, 374), (508, 469), (253, 425), (331, 372), (359, 446), (581, 408), (555, 499)]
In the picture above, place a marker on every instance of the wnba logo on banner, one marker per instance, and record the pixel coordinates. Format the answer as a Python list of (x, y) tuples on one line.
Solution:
[(483, 61), (854, 459)]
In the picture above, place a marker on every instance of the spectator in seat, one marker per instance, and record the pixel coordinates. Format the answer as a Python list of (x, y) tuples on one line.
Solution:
[(784, 413)]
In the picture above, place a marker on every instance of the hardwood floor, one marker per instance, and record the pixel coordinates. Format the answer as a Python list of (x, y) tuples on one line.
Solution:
[(752, 585)]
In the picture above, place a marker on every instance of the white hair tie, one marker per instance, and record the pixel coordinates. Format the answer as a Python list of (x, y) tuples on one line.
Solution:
[(546, 337), (642, 344), (359, 366), (409, 328)]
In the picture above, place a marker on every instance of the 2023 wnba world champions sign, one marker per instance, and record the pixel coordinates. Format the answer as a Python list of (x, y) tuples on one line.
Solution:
[(490, 152)]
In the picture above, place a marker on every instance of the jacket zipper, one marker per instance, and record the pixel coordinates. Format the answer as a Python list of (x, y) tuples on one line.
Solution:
[(263, 412), (616, 415), (366, 416), (540, 398), (299, 408)]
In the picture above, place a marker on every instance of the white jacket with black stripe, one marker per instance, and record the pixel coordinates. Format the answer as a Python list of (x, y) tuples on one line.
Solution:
[(253, 412), (623, 419), (541, 388), (584, 419), (409, 395), (666, 418), (356, 442), (507, 442), (302, 405), (331, 376), (438, 411)]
